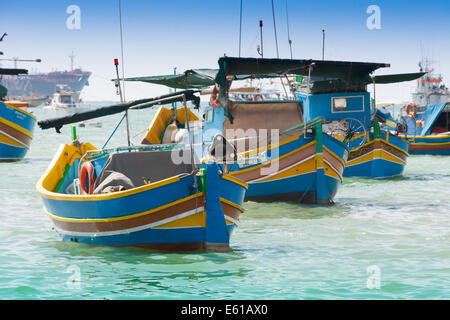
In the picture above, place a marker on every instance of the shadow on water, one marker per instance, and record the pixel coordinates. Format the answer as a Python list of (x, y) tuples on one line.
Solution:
[(289, 210), (133, 255)]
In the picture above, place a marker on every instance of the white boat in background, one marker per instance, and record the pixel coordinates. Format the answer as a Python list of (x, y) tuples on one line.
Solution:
[(66, 100)]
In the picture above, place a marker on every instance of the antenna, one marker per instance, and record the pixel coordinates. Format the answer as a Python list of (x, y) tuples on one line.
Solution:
[(275, 29), (71, 61), (323, 44)]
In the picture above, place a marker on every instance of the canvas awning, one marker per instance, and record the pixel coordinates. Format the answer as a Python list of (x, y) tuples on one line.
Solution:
[(395, 78), (350, 72), (190, 79)]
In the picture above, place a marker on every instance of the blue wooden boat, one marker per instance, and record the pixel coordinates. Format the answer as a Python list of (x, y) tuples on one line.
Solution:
[(16, 131), (16, 124), (139, 196), (344, 102), (299, 163)]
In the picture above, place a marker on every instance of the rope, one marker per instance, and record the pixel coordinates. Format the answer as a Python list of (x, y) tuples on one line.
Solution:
[(115, 129)]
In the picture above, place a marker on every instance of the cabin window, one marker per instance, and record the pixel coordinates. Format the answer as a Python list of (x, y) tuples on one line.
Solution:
[(339, 103), (347, 104)]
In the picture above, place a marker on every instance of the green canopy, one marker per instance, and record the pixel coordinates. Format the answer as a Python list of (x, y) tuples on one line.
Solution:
[(190, 79), (350, 72), (193, 78)]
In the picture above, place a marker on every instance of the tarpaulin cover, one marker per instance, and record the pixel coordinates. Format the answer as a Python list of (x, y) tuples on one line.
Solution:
[(431, 114)]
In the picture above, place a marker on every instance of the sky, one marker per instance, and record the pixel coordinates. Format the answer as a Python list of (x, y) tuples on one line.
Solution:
[(159, 36)]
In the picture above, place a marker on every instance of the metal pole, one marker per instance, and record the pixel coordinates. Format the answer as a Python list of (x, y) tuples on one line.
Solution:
[(189, 133), (116, 62), (307, 96), (123, 74), (275, 28), (260, 28), (287, 22)]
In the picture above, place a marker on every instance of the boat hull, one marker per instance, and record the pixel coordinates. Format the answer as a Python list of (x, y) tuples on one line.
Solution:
[(168, 215), (431, 145), (16, 132), (379, 158), (305, 171)]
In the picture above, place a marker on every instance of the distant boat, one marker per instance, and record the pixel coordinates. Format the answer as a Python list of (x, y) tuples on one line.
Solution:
[(90, 124), (16, 125), (66, 100)]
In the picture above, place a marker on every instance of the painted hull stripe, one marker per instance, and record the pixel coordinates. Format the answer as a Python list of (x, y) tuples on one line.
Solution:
[(349, 164), (131, 230), (282, 170), (15, 139)]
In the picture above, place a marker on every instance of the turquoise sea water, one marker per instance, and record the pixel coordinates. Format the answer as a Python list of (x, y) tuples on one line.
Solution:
[(381, 240)]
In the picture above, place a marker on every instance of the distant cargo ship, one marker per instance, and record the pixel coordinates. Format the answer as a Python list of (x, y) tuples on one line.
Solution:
[(43, 85), (39, 86)]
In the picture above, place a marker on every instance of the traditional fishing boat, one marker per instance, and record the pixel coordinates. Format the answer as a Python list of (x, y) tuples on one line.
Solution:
[(16, 125), (140, 195), (343, 100), (279, 155)]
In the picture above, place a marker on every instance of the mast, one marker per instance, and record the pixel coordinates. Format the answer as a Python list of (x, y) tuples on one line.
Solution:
[(71, 61)]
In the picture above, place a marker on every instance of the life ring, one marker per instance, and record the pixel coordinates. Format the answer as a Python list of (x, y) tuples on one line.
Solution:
[(87, 170), (258, 97), (214, 100), (408, 110)]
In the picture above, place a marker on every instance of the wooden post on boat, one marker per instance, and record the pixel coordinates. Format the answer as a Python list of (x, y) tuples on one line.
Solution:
[(376, 128), (186, 122), (321, 191), (217, 237)]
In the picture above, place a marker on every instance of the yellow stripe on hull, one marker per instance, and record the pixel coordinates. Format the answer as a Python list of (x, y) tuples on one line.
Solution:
[(375, 154), (299, 169), (273, 160), (195, 220), (17, 127)]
